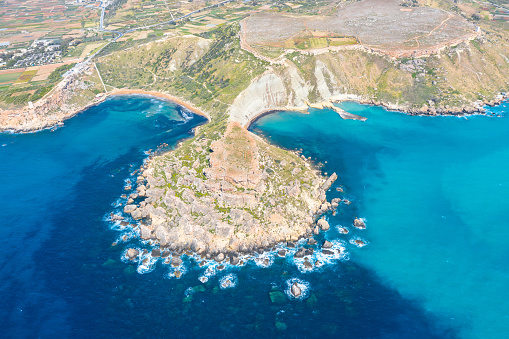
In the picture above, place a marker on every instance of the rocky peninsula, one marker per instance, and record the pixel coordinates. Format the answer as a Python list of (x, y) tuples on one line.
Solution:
[(234, 194), (227, 190)]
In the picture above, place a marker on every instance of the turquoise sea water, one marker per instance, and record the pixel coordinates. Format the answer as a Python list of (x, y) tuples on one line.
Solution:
[(434, 193), (429, 188)]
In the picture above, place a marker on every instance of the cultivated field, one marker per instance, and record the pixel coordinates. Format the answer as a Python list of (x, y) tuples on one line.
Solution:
[(26, 76), (18, 86), (91, 47), (8, 77)]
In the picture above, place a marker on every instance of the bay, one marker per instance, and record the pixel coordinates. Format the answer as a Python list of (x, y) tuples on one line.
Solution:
[(433, 192), (61, 276)]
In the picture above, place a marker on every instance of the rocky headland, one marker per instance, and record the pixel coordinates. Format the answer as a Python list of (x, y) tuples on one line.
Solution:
[(227, 190), (233, 194), (55, 107)]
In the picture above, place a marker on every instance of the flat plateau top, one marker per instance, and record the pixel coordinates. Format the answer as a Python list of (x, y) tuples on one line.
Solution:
[(375, 23)]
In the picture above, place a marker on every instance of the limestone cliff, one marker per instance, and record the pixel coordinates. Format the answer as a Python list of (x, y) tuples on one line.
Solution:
[(264, 93), (286, 88)]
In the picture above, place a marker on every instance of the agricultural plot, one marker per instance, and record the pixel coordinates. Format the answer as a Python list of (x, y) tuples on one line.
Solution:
[(33, 15), (316, 40), (201, 24), (26, 76), (136, 13), (45, 71), (90, 48), (139, 13), (9, 77), (29, 84)]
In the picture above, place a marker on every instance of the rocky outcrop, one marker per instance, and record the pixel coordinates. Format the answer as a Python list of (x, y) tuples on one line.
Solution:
[(327, 244), (235, 194), (328, 183), (323, 224), (50, 110), (132, 253), (129, 208), (359, 223), (296, 290)]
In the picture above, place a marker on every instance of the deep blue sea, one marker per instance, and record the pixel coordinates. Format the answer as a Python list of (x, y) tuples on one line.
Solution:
[(432, 192)]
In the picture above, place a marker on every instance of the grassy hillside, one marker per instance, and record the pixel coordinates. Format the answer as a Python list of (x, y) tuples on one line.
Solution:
[(209, 71)]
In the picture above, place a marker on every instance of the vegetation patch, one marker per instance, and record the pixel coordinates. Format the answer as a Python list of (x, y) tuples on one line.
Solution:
[(9, 77), (26, 76)]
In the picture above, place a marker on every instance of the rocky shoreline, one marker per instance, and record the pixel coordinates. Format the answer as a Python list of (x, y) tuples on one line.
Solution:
[(49, 111), (54, 110), (474, 109), (232, 193), (38, 118), (209, 206)]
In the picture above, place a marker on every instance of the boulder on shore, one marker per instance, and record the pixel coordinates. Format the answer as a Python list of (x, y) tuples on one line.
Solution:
[(129, 208), (176, 261), (300, 253), (137, 214), (359, 223), (335, 203), (145, 232), (234, 260), (327, 244), (323, 224), (219, 257), (132, 253)]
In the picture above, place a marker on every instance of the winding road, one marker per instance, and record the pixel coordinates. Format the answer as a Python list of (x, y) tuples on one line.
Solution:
[(80, 66)]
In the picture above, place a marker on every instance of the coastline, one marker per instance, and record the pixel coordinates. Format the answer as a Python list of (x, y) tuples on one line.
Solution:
[(161, 95), (37, 125), (139, 211), (428, 111), (34, 122), (50, 124)]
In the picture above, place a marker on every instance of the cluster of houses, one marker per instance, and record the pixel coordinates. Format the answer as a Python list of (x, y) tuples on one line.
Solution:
[(40, 52)]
